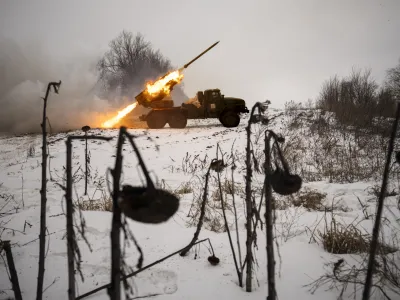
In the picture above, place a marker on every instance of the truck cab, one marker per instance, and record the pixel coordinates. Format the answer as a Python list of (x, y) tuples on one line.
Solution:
[(213, 104)]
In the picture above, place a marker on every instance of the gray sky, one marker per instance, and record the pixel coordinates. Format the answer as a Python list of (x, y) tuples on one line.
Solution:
[(277, 50)]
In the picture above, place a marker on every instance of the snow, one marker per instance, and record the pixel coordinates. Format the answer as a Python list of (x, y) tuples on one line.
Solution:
[(190, 277)]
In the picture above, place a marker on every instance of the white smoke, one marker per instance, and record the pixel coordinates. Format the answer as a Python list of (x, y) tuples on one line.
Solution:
[(24, 75)]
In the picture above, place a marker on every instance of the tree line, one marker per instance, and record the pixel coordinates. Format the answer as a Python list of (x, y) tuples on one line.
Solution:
[(358, 99)]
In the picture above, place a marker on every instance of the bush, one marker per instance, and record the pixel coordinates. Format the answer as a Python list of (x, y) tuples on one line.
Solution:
[(358, 101), (321, 149), (340, 239)]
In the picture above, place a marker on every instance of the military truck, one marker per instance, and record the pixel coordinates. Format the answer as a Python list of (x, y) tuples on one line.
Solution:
[(208, 104)]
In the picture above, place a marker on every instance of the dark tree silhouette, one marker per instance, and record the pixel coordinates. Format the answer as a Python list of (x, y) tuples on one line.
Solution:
[(357, 99), (393, 80), (129, 63)]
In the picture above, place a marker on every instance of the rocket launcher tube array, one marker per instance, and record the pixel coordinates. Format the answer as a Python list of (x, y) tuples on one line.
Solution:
[(145, 98)]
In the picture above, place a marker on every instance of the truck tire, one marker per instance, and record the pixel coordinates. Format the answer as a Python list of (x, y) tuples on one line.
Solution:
[(229, 119), (156, 120), (177, 120)]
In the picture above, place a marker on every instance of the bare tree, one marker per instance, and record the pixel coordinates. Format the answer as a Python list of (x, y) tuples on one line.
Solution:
[(329, 95), (393, 80), (386, 103), (355, 99), (130, 62)]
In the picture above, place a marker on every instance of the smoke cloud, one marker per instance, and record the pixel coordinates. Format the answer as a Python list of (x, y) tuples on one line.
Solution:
[(24, 75), (25, 72)]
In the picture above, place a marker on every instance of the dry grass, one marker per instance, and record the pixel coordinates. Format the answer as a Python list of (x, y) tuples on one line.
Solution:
[(309, 199), (185, 188), (30, 152), (216, 224), (343, 276), (317, 148), (280, 204), (229, 188), (339, 238), (216, 195), (213, 219), (191, 164), (103, 204), (375, 190)]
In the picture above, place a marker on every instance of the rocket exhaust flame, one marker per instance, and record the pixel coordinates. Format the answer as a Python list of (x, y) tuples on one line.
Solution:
[(162, 85), (155, 91), (122, 113)]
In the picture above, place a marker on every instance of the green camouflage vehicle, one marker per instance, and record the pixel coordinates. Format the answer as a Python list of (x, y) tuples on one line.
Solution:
[(206, 105)]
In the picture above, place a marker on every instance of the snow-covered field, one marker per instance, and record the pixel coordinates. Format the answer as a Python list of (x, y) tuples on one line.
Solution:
[(299, 263)]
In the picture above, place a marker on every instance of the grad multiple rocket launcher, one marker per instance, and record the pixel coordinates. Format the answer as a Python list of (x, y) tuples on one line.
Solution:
[(210, 103)]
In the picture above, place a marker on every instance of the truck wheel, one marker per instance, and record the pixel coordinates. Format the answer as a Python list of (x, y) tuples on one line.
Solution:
[(229, 119), (177, 120), (156, 121)]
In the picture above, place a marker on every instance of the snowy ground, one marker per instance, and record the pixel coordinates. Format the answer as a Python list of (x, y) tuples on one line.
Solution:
[(177, 278)]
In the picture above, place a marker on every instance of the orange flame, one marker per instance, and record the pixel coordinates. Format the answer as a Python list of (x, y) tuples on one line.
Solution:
[(161, 85), (122, 113)]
